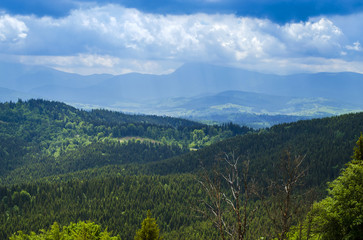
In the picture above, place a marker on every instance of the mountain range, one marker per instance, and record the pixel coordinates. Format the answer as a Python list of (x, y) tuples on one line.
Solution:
[(196, 91)]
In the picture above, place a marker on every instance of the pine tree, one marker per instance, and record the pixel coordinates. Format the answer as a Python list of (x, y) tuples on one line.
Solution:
[(358, 150), (149, 229)]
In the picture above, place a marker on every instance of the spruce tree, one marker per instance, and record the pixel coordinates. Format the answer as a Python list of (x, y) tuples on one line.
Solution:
[(149, 229), (358, 149)]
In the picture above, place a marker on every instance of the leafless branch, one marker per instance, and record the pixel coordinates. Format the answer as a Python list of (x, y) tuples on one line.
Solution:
[(233, 201)]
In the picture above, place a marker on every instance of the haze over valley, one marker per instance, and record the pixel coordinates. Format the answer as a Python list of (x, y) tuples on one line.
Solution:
[(201, 92)]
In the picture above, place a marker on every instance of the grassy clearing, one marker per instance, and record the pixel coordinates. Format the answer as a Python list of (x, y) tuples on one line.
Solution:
[(141, 139)]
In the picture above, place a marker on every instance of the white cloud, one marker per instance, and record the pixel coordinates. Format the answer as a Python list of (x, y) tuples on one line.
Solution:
[(86, 64), (108, 36), (12, 29), (356, 47), (313, 38), (82, 59)]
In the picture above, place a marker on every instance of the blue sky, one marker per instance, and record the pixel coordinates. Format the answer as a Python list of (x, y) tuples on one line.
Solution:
[(109, 36)]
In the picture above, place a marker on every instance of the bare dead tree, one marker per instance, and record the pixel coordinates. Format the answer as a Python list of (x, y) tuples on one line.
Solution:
[(228, 191), (212, 187), (277, 197)]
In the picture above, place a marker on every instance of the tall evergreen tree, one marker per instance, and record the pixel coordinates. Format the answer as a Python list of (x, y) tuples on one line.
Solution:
[(358, 149), (149, 229)]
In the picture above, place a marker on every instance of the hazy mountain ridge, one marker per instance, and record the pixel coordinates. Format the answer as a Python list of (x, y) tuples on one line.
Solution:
[(246, 108), (196, 91), (258, 103), (7, 94), (25, 78)]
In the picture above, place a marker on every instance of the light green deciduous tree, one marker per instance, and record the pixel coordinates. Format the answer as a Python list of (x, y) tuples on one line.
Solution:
[(340, 215), (74, 231)]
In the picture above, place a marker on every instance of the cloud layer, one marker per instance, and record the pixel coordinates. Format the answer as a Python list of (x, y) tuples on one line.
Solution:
[(281, 11), (115, 39)]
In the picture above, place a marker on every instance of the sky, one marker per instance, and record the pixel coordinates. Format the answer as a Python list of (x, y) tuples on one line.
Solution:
[(158, 36)]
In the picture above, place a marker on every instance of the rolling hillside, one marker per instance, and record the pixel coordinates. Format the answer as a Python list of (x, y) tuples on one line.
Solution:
[(72, 165)]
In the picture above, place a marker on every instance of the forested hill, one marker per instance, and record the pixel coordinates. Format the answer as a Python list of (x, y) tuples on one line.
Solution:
[(62, 164), (41, 138), (327, 144)]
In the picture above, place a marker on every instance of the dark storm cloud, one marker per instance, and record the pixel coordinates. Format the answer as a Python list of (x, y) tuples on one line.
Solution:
[(276, 10)]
